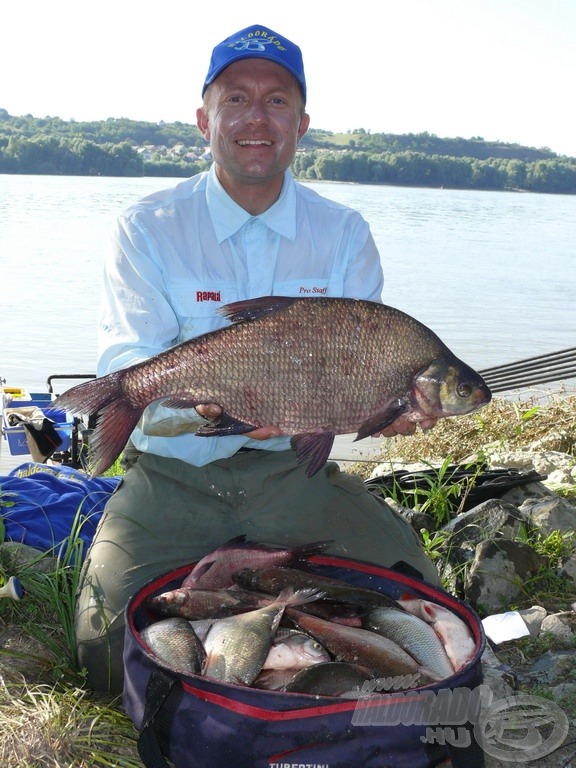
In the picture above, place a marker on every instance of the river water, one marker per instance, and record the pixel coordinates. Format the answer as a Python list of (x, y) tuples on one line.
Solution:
[(493, 273)]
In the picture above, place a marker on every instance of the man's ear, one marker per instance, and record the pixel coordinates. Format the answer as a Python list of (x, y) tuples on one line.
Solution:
[(202, 122), (304, 124)]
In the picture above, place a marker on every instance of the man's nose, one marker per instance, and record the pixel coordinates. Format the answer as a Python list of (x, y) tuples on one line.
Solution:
[(257, 112)]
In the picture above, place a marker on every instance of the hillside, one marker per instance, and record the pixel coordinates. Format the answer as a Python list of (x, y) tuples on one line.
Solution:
[(124, 147)]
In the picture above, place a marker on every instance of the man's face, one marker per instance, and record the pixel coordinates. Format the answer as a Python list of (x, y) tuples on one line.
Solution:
[(253, 117)]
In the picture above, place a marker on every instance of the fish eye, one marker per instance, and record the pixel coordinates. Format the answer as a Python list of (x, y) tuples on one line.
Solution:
[(463, 390)]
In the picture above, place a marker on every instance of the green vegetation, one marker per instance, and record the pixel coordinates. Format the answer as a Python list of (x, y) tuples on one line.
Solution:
[(47, 715), (442, 495), (123, 147)]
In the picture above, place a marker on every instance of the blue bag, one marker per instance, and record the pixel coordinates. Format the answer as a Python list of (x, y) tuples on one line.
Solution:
[(42, 505), (196, 722)]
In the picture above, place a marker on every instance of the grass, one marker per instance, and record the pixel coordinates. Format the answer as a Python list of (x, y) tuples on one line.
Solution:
[(502, 425), (52, 726), (49, 718)]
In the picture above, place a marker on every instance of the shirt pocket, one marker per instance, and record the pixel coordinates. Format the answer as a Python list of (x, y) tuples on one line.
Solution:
[(196, 304)]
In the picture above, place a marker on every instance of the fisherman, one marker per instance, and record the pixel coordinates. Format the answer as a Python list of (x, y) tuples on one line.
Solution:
[(241, 230)]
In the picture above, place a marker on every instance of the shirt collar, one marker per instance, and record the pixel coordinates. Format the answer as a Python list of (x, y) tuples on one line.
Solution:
[(228, 217)]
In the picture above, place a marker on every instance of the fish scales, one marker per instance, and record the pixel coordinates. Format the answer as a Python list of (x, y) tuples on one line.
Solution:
[(378, 654), (315, 367), (414, 635), (197, 604), (293, 379), (331, 678), (174, 641), (236, 647), (276, 578)]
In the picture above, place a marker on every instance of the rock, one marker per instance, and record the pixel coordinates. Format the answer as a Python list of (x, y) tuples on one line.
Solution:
[(555, 440), (558, 477), (542, 461), (520, 459), (551, 668), (546, 462), (15, 557), (388, 467), (23, 657), (418, 520), (499, 677), (562, 627), (567, 567), (498, 682), (550, 514), (497, 573), (536, 490), (491, 519), (533, 618), (563, 691)]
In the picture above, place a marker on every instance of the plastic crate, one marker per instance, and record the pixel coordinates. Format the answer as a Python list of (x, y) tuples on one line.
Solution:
[(44, 396), (16, 436), (37, 400)]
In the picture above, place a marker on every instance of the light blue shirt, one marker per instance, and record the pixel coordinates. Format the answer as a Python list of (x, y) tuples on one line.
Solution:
[(182, 253)]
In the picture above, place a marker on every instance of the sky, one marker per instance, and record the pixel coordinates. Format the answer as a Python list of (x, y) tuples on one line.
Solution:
[(503, 70)]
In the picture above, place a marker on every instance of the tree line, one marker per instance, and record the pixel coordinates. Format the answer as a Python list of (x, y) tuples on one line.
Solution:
[(123, 147)]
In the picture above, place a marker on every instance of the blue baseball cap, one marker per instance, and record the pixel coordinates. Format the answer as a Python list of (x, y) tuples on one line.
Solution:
[(257, 42)]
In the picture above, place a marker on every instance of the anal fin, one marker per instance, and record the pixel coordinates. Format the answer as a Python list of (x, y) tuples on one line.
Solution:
[(313, 446)]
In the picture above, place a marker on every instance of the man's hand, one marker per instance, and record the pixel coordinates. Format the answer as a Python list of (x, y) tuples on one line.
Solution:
[(211, 411), (401, 426), (404, 427)]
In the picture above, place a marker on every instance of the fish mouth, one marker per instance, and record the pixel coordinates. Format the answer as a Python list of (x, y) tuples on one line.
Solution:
[(483, 395)]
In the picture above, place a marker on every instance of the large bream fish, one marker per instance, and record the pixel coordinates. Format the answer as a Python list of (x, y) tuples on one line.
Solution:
[(315, 367)]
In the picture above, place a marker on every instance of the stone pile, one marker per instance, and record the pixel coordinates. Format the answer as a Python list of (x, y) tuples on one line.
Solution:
[(487, 560)]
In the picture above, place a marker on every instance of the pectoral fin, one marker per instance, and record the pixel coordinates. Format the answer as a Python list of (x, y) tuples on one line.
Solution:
[(180, 401), (380, 421), (225, 425), (313, 446)]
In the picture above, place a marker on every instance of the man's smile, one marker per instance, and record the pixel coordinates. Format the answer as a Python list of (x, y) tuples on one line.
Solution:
[(254, 142)]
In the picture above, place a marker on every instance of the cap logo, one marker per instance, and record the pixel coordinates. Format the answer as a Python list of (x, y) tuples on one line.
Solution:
[(256, 41)]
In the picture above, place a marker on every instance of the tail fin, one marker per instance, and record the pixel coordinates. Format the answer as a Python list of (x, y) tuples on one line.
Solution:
[(290, 597), (116, 417)]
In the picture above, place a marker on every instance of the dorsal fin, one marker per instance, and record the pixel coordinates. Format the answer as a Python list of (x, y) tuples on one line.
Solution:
[(252, 309)]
